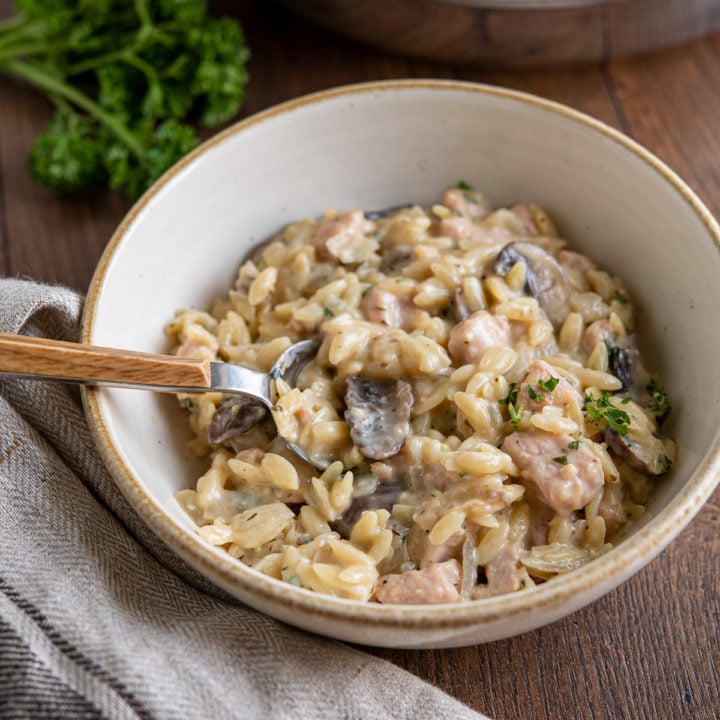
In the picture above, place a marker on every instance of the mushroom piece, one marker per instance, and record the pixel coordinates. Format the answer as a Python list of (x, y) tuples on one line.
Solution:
[(378, 413), (652, 458), (235, 415), (383, 497), (623, 363), (545, 279)]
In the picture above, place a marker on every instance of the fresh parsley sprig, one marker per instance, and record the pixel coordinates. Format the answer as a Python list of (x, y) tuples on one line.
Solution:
[(126, 78)]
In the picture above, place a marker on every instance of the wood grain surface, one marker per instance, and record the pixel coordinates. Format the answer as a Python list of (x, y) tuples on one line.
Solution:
[(649, 649), (58, 359)]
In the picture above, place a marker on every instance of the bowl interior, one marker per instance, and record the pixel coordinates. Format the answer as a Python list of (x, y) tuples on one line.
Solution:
[(382, 145)]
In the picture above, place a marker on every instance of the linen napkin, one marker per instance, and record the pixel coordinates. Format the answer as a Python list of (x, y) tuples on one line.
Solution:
[(99, 620)]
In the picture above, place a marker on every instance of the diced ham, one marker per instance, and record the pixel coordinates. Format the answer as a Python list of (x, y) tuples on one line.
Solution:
[(434, 554), (467, 203), (565, 479), (576, 261), (465, 228), (338, 232), (502, 573), (387, 308), (598, 331), (537, 398), (540, 517), (470, 339), (437, 477), (525, 216), (430, 586)]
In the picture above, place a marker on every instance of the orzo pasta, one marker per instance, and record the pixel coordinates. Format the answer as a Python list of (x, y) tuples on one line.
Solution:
[(477, 402)]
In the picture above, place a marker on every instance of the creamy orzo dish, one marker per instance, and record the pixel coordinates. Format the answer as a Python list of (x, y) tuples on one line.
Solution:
[(477, 402)]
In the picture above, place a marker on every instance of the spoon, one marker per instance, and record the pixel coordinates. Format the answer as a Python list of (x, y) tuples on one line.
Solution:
[(42, 359)]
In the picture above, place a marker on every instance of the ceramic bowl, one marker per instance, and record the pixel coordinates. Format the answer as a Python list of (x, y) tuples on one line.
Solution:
[(378, 145)]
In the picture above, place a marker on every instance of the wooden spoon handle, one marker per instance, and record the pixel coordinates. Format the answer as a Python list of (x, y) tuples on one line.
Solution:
[(55, 359)]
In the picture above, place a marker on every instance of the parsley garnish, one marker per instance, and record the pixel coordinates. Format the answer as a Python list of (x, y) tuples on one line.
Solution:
[(601, 409), (550, 384), (462, 185), (511, 397), (664, 462), (327, 312), (621, 297), (515, 414), (659, 403), (295, 580), (534, 395), (562, 459), (574, 445)]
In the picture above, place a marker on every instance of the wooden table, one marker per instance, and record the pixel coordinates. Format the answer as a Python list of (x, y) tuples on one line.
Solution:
[(649, 649)]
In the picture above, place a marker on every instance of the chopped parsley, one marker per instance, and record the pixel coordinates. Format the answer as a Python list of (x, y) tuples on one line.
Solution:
[(659, 403), (620, 296), (601, 409), (515, 414), (574, 445), (562, 459), (327, 312), (295, 580), (511, 397), (550, 384), (462, 185), (534, 394), (664, 462)]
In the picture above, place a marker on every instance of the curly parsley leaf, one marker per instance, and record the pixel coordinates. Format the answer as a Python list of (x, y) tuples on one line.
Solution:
[(602, 410), (128, 79)]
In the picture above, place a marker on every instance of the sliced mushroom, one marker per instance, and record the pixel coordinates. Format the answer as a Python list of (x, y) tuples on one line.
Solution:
[(382, 498), (235, 416), (459, 307), (653, 458), (623, 362), (378, 413), (544, 278)]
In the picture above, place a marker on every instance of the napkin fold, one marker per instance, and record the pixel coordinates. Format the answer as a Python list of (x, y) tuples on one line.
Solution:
[(98, 619)]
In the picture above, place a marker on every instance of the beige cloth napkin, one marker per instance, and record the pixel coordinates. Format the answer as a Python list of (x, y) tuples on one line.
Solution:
[(99, 620)]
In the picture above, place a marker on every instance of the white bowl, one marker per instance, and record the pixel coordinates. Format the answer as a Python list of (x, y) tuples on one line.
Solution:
[(379, 145)]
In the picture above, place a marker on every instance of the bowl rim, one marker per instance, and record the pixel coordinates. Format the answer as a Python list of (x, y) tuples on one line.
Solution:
[(574, 590)]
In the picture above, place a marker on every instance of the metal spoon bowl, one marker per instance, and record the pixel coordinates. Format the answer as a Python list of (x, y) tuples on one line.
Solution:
[(42, 359)]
